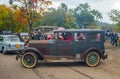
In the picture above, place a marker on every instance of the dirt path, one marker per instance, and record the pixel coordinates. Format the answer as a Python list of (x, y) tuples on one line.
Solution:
[(11, 69), (108, 69)]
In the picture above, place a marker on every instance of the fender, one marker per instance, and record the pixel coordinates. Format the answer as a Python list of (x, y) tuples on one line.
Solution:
[(38, 53), (91, 49)]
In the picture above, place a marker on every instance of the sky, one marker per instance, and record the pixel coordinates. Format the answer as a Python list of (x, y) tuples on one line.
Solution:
[(103, 6)]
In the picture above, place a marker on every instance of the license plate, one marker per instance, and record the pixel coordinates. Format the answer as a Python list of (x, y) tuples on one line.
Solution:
[(17, 45)]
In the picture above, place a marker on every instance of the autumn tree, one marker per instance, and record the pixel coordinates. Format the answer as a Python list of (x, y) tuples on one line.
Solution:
[(6, 21), (20, 20), (31, 9)]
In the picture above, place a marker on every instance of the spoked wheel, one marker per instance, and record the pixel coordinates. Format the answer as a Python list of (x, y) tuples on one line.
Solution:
[(29, 59), (92, 59)]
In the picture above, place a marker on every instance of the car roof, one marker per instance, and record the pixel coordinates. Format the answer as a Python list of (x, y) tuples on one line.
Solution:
[(80, 30)]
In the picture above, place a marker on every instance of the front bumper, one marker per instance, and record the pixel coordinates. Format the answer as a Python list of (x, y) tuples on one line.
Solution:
[(104, 54), (19, 55)]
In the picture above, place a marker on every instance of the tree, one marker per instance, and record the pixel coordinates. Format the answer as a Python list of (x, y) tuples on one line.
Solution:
[(20, 20), (31, 8), (6, 21), (115, 17), (85, 16), (55, 17), (70, 20)]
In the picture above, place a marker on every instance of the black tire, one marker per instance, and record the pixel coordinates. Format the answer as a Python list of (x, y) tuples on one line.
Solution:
[(29, 60), (92, 59)]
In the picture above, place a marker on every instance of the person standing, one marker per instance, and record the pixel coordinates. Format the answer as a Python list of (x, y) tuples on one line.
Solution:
[(115, 38), (43, 36)]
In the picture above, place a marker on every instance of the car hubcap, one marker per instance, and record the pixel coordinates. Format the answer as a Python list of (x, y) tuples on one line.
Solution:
[(92, 59), (29, 60)]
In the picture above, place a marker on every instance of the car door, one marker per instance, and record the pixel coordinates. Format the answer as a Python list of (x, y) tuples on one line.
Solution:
[(53, 45), (80, 43), (65, 45), (1, 42)]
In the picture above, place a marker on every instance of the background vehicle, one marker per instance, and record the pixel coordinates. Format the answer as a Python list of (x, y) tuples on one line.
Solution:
[(119, 38), (82, 45), (10, 43), (24, 36)]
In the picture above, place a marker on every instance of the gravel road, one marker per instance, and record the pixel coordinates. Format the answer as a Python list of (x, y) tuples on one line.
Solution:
[(108, 69)]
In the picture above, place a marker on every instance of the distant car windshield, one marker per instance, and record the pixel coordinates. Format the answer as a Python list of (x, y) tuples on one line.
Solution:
[(24, 34), (12, 38)]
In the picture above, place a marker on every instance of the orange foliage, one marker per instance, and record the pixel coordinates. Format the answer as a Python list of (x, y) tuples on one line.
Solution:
[(20, 16)]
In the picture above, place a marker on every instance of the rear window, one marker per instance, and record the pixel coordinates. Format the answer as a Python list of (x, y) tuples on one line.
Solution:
[(94, 37), (79, 36)]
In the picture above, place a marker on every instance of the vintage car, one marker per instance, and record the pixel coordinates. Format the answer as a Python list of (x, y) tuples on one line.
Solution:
[(24, 36), (67, 45), (10, 43)]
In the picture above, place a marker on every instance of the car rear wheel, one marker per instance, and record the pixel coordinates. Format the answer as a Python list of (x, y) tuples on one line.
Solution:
[(29, 59), (92, 59)]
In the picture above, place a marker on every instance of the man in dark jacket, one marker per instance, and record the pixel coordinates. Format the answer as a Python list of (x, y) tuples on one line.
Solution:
[(115, 38)]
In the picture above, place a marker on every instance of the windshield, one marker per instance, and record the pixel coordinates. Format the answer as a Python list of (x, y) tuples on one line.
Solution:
[(12, 38)]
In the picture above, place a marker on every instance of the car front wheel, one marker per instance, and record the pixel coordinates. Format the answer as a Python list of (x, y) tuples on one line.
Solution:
[(29, 59), (92, 59)]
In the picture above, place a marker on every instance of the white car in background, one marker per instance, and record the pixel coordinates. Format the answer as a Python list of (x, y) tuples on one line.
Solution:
[(10, 43)]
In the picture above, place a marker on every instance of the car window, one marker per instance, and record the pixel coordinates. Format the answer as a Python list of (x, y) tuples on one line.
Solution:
[(80, 36), (64, 37), (12, 38), (94, 37)]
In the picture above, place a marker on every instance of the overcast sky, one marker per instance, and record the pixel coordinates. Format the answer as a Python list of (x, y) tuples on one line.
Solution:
[(103, 6)]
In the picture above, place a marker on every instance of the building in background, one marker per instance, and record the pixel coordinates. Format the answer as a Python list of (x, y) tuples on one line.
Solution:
[(45, 28)]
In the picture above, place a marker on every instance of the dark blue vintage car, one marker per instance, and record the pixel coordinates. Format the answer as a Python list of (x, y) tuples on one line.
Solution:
[(76, 45)]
